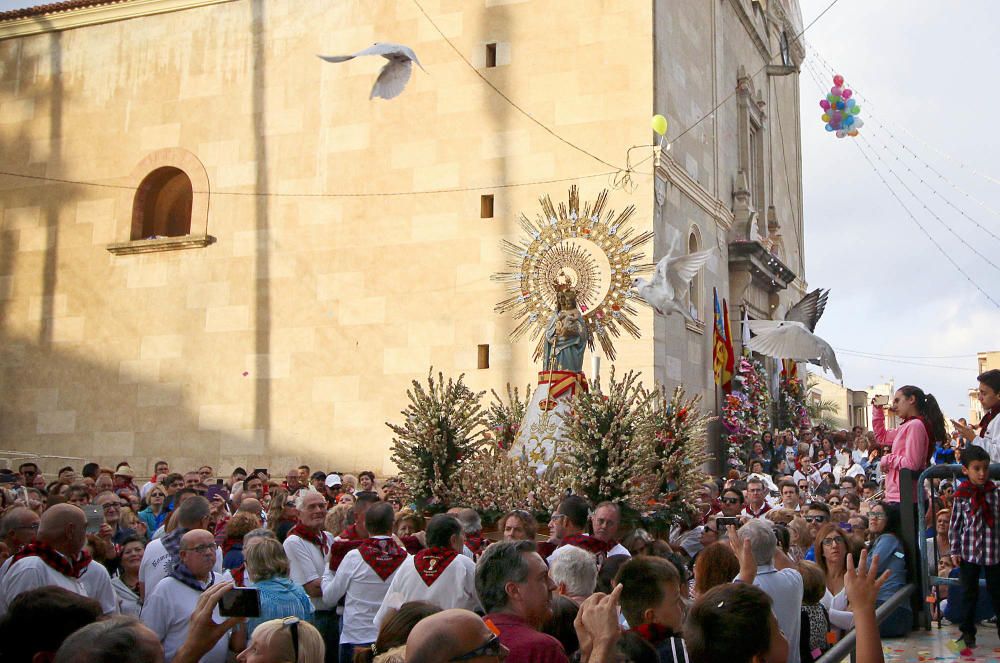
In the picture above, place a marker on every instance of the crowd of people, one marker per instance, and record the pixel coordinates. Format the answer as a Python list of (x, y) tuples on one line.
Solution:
[(796, 545)]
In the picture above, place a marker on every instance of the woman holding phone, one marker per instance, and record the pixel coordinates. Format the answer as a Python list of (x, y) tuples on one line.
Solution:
[(913, 442), (989, 426)]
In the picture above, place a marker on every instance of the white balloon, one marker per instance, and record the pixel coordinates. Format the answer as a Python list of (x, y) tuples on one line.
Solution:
[(858, 123)]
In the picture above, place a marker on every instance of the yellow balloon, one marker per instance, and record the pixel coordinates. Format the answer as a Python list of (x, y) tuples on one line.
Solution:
[(659, 124), (826, 118)]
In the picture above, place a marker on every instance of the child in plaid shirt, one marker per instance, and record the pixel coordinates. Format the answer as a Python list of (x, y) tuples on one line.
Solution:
[(975, 539)]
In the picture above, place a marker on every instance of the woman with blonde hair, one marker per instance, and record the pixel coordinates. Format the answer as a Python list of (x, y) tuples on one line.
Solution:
[(407, 523), (267, 566), (281, 514), (800, 540), (336, 519), (715, 565), (288, 640)]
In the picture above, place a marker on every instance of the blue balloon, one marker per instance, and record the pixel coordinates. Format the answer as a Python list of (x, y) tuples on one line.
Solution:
[(829, 127), (849, 120), (850, 103), (840, 105)]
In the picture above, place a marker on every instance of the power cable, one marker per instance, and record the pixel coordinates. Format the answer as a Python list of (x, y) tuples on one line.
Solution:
[(505, 97), (947, 156), (859, 355), (876, 354), (275, 194)]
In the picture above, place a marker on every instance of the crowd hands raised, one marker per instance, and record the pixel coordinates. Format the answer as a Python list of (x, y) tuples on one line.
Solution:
[(795, 546)]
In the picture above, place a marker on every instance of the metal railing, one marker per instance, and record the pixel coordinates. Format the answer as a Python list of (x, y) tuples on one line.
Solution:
[(926, 579), (848, 644)]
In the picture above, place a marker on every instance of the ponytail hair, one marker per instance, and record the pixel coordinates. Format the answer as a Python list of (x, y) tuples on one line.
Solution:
[(928, 408)]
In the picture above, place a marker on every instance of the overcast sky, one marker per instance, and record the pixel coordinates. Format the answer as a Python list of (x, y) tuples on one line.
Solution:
[(919, 66)]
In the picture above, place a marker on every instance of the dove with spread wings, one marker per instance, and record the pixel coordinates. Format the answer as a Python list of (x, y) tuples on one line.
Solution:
[(794, 337), (668, 291), (394, 75)]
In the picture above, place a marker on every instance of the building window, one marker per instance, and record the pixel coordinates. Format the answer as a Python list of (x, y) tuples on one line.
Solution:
[(491, 55), (162, 205), (694, 287), (486, 206), (756, 164), (484, 356), (751, 123)]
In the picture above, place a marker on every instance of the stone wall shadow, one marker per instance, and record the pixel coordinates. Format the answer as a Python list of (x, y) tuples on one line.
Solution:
[(262, 264)]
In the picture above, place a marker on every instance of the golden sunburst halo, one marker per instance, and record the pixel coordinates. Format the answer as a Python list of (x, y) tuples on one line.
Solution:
[(595, 251)]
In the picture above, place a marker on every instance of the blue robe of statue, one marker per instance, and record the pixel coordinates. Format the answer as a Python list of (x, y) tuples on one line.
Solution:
[(568, 351)]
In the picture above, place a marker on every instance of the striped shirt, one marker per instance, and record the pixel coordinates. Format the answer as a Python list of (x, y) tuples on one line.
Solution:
[(971, 538)]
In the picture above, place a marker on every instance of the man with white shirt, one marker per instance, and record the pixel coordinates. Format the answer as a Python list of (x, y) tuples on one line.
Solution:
[(757, 505), (18, 528), (439, 574), (163, 553), (160, 470), (364, 578), (55, 558), (308, 548), (790, 496), (777, 576), (168, 608), (807, 472)]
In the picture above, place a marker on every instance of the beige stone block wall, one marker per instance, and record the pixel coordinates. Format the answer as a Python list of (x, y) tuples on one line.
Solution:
[(295, 336)]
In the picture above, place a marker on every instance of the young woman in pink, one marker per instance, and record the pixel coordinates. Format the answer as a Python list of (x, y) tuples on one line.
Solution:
[(913, 442)]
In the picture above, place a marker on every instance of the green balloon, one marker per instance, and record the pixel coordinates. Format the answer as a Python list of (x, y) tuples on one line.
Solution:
[(855, 110)]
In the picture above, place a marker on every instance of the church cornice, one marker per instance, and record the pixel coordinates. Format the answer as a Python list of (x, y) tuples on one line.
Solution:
[(96, 14)]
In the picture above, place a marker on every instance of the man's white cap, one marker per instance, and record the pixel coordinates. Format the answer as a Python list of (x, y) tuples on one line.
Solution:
[(333, 480)]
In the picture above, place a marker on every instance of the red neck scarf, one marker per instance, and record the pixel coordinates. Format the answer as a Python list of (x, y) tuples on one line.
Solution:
[(931, 442), (984, 423), (229, 542), (431, 563), (339, 550), (57, 561), (653, 633), (239, 575), (476, 543), (977, 494), (351, 533), (383, 555), (313, 536), (589, 543)]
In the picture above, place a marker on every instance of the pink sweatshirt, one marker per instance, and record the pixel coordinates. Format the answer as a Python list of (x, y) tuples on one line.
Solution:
[(909, 450)]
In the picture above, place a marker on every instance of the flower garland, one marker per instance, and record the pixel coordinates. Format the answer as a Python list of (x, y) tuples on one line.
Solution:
[(443, 426), (745, 412), (792, 412)]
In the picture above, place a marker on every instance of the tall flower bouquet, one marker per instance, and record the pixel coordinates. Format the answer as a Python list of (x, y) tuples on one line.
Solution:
[(678, 428), (609, 454), (503, 418), (792, 412), (745, 412), (442, 428)]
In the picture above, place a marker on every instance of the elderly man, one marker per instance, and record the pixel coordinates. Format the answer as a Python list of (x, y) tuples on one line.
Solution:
[(168, 609), (574, 572), (570, 519), (308, 550), (55, 558), (364, 577), (514, 587), (439, 574), (452, 635), (472, 527), (18, 528), (757, 505), (162, 554), (777, 576)]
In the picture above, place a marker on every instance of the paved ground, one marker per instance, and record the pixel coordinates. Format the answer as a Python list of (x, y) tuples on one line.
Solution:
[(937, 645)]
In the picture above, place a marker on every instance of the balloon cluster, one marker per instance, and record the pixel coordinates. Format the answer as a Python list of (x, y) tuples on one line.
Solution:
[(840, 110)]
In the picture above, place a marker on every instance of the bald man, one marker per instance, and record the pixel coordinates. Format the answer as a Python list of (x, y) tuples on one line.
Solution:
[(55, 558), (449, 635), (18, 528), (168, 608)]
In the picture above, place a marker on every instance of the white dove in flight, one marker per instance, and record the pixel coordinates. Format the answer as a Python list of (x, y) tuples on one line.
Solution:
[(793, 337), (668, 291), (394, 75)]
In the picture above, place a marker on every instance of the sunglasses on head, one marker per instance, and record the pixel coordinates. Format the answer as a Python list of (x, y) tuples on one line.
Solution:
[(491, 647), (293, 624), (815, 519)]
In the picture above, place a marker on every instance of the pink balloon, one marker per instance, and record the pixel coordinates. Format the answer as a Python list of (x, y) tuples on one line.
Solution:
[(836, 91), (836, 116), (847, 93), (824, 104), (838, 80)]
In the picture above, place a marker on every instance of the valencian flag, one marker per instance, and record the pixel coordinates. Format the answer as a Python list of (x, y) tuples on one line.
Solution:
[(723, 359), (789, 369), (730, 367)]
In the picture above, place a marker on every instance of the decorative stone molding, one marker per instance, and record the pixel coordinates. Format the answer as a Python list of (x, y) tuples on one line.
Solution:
[(672, 172), (95, 15), (160, 244)]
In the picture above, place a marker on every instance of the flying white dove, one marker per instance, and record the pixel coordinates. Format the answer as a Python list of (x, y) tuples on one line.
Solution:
[(668, 291), (793, 337), (394, 75)]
